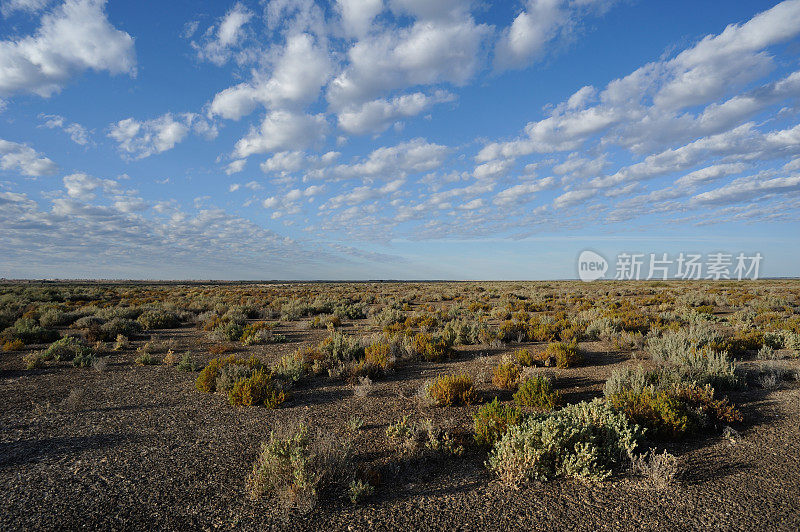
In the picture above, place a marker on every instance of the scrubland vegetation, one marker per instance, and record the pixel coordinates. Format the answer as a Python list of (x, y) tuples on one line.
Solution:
[(329, 398)]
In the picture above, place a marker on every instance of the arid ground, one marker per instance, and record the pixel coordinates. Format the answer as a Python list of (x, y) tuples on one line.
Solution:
[(110, 431)]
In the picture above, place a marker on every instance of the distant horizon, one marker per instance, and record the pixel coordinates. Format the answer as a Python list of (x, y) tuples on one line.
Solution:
[(389, 139)]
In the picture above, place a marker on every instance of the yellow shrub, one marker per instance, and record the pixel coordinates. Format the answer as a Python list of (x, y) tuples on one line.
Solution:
[(448, 390)]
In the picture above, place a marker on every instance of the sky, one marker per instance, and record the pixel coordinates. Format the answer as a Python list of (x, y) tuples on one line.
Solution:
[(394, 139)]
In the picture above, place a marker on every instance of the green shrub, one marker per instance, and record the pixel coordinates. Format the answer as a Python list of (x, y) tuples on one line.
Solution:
[(34, 360), (566, 354), (493, 420), (146, 359), (29, 332), (583, 440), (188, 364), (159, 319), (664, 401), (659, 411), (66, 349), (537, 393), (506, 375), (256, 390), (109, 331), (230, 331), (448, 390), (84, 360), (207, 380), (524, 358)]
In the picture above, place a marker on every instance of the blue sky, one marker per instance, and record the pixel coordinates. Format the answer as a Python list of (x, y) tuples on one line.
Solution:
[(403, 139)]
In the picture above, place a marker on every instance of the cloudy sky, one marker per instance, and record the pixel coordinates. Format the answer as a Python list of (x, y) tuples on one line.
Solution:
[(414, 139)]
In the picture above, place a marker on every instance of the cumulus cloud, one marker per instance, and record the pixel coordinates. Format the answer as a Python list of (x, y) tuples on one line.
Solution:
[(444, 45), (542, 22), (357, 15), (413, 156), (220, 39), (9, 7), (77, 133), (377, 115), (140, 139), (281, 131), (295, 79), (22, 158), (74, 37)]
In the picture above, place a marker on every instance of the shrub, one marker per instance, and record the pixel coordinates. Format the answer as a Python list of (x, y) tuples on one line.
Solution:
[(380, 355), (34, 360), (524, 358), (537, 393), (583, 440), (339, 347), (111, 330), (659, 411), (259, 332), (566, 355), (29, 332), (506, 375), (493, 420), (448, 390), (230, 374), (431, 349), (359, 490), (289, 368), (299, 467), (159, 319), (255, 390), (668, 405), (659, 469), (146, 359), (66, 349), (207, 380), (13, 345), (84, 360), (229, 330), (413, 437), (187, 363)]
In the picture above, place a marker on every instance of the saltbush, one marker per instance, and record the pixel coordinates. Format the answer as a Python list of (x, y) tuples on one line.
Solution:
[(448, 390), (588, 440), (506, 375), (299, 467), (537, 393), (493, 420)]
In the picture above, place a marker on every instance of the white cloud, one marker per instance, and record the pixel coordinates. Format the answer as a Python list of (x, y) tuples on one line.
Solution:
[(377, 115), (9, 7), (749, 189), (281, 131), (24, 159), (142, 139), (710, 173), (539, 24), (219, 40), (295, 80), (429, 51), (74, 37), (77, 133), (235, 167), (413, 156), (357, 15), (523, 192)]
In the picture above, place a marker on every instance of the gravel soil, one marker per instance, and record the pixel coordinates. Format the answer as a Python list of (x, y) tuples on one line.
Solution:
[(135, 447)]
